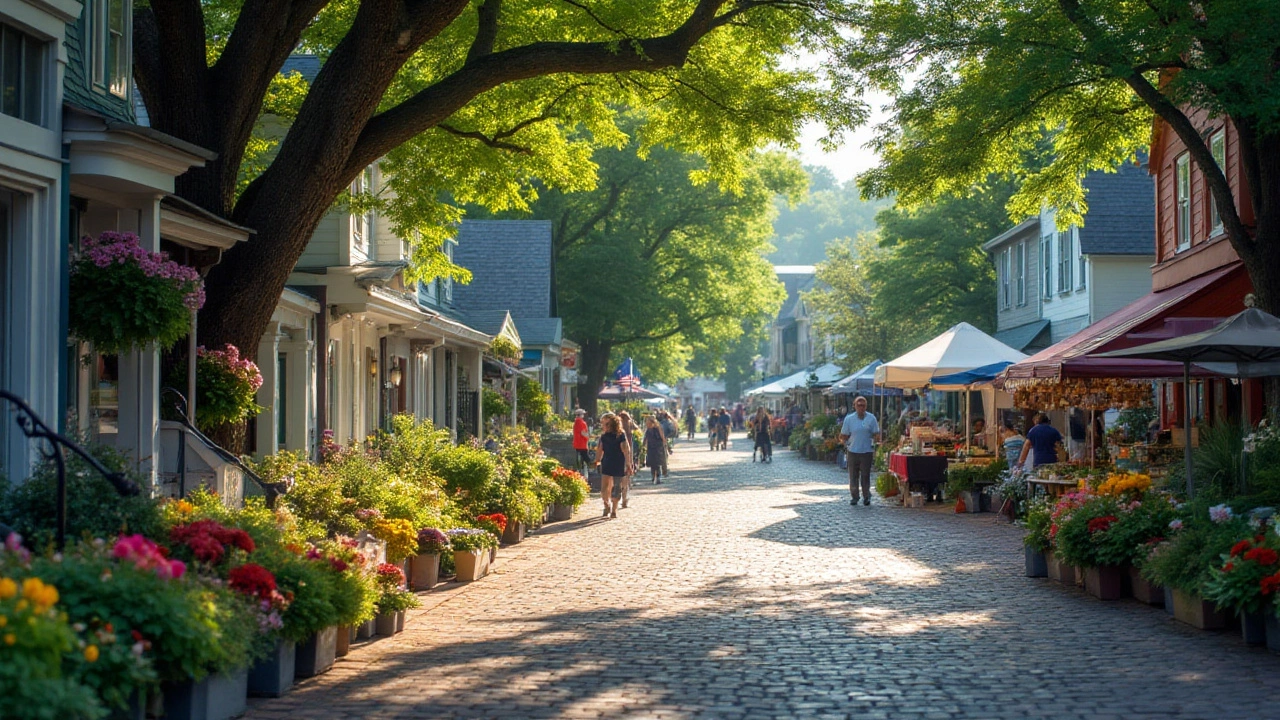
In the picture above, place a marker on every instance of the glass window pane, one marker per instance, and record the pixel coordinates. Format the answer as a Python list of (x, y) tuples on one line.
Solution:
[(33, 81), (10, 71)]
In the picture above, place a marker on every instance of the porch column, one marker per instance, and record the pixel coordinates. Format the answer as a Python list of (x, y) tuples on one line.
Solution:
[(139, 389), (473, 361), (299, 385), (265, 430), (439, 386)]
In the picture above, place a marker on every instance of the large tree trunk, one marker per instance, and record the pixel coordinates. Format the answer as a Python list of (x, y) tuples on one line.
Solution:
[(595, 366)]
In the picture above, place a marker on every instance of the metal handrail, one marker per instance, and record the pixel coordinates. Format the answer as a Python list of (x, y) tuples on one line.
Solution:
[(35, 428), (272, 490)]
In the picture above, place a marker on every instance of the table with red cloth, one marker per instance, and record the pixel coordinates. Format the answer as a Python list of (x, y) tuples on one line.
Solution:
[(927, 472)]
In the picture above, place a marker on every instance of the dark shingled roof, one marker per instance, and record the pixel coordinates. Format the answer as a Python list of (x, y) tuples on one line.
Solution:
[(540, 331), (510, 264), (1022, 336), (76, 86), (489, 322), (307, 65), (1122, 212)]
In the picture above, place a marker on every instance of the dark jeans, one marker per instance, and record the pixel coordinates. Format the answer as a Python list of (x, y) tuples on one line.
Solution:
[(860, 474)]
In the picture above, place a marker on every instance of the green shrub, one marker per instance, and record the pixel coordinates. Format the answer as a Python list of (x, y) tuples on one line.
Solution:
[(1039, 520), (533, 405), (1185, 561)]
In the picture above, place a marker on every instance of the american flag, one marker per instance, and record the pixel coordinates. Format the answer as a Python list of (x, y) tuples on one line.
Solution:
[(626, 375)]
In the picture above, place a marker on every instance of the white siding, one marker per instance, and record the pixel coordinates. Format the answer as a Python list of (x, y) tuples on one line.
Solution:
[(322, 250), (1116, 281)]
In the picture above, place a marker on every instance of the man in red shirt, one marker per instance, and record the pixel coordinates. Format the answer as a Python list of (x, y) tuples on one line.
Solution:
[(581, 437)]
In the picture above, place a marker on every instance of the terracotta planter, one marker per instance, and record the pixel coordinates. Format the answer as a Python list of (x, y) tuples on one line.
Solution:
[(386, 624), (1059, 570), (272, 676), (1035, 563), (514, 534), (342, 645), (1144, 590), (317, 654), (187, 700), (471, 565), (560, 513), (1253, 628), (425, 571), (228, 695), (1105, 582), (1196, 612)]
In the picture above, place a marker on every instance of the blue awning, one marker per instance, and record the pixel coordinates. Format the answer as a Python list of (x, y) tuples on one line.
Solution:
[(863, 383), (986, 373)]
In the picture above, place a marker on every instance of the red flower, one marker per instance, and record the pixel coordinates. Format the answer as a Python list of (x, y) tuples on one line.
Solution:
[(338, 564), (1228, 567), (209, 540), (1101, 524), (1262, 556), (1270, 584), (1240, 547), (137, 636), (253, 580)]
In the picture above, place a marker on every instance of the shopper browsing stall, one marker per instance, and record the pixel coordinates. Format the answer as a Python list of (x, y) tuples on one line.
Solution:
[(1042, 442)]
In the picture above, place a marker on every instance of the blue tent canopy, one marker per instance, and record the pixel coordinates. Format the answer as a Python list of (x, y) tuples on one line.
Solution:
[(986, 373), (863, 383)]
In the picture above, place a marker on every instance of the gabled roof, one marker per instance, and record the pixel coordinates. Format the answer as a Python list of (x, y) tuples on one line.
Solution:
[(1122, 212), (1030, 226), (510, 264), (540, 331), (1022, 336), (795, 283)]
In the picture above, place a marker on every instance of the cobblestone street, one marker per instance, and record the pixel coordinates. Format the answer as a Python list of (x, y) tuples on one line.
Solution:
[(742, 590)]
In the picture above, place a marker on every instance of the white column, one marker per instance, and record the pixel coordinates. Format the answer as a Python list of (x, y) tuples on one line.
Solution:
[(140, 377), (268, 348), (299, 392), (475, 370), (438, 387)]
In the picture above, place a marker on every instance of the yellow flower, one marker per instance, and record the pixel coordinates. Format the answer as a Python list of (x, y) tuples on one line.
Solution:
[(91, 653), (3, 621), (8, 588), (42, 595), (10, 639)]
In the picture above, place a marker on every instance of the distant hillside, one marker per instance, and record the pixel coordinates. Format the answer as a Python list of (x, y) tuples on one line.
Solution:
[(831, 211)]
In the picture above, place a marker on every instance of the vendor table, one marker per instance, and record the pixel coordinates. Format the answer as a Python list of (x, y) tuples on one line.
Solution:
[(925, 471), (1053, 487)]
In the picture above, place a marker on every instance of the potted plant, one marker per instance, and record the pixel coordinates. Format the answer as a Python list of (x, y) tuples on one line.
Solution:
[(432, 543), (1184, 562), (1238, 584), (471, 552), (309, 588), (1059, 569), (226, 387), (393, 599), (124, 297), (1036, 541), (573, 493), (354, 591), (400, 536)]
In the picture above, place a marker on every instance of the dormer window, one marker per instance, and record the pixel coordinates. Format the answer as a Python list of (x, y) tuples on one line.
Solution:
[(109, 24), (22, 75), (362, 223)]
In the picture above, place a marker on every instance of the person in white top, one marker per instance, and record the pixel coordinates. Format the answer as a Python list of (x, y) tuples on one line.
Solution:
[(860, 432)]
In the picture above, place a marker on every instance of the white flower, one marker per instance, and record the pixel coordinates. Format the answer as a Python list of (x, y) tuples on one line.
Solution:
[(1175, 524), (1220, 513)]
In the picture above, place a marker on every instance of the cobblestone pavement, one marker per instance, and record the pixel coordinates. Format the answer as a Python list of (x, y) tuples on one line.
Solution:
[(755, 591)]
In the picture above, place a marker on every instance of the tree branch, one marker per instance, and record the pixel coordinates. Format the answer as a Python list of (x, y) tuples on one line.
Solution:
[(680, 328), (492, 141), (487, 31)]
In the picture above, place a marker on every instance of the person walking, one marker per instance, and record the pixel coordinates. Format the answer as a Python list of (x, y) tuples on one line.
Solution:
[(690, 421), (613, 460), (760, 431), (581, 439), (713, 428), (655, 449), (860, 432), (631, 430), (726, 421)]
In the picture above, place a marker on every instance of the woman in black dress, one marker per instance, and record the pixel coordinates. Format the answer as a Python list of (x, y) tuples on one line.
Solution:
[(613, 459), (760, 429), (655, 449)]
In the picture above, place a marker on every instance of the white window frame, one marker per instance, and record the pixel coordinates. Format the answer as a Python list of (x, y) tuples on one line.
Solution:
[(1005, 279), (1217, 148), (362, 224), (111, 77), (1065, 261), (32, 104), (1081, 262), (1182, 201), (1020, 270), (1046, 266)]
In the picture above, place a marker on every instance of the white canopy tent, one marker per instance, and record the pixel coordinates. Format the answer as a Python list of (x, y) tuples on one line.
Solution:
[(963, 347), (827, 373)]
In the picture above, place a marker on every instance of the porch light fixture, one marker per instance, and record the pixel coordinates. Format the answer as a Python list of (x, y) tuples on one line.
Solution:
[(373, 368), (395, 375)]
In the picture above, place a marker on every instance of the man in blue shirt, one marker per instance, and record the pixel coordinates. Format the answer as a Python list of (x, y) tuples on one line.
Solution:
[(1043, 441), (859, 432)]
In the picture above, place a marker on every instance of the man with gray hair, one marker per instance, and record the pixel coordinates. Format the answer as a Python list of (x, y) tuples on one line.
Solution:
[(859, 433)]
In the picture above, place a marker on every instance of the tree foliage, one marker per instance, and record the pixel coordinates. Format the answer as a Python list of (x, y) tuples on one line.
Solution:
[(462, 99), (977, 82), (832, 210), (661, 260)]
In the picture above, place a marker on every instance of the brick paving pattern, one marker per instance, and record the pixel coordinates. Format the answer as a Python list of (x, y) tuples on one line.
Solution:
[(742, 590)]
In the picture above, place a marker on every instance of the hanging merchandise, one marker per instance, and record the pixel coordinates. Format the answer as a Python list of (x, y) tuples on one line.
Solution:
[(1085, 393)]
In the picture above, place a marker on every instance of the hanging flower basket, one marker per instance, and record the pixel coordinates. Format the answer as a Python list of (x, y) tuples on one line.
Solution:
[(123, 296), (226, 387)]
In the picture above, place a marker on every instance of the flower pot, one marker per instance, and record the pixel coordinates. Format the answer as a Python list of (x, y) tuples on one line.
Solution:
[(425, 572), (228, 694), (1035, 563), (1144, 590), (386, 624), (186, 700), (342, 644), (972, 500), (1253, 628), (400, 616), (1105, 582), (493, 555), (317, 654), (1196, 612), (1059, 570), (471, 565), (514, 533), (272, 676), (1168, 601), (991, 501), (366, 630), (560, 513), (1272, 624)]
